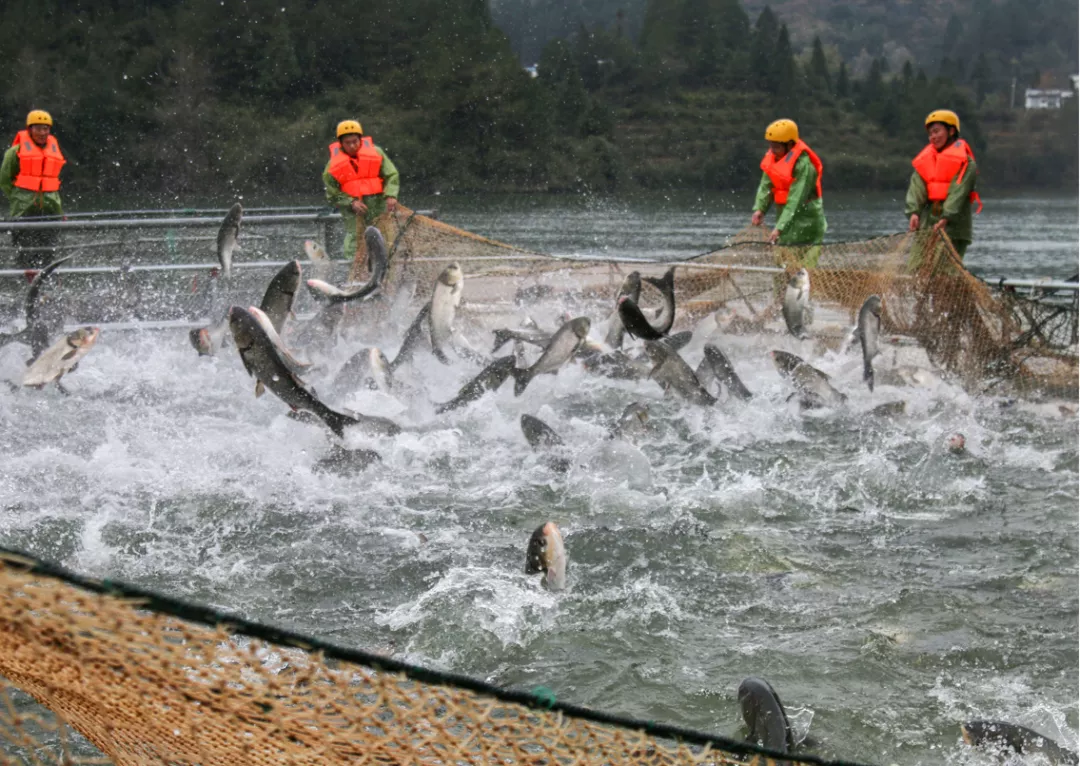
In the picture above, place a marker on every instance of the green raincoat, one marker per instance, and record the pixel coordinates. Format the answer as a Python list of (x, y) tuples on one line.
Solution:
[(801, 220), (956, 208), (376, 203), (23, 201)]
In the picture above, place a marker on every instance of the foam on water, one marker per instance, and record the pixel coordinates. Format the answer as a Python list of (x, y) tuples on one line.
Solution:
[(886, 586)]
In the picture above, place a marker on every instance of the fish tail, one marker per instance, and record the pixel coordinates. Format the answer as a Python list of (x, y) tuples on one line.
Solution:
[(502, 337), (521, 379)]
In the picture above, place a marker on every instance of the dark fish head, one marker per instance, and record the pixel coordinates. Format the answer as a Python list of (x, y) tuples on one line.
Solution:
[(657, 352), (451, 275), (581, 327), (374, 238), (244, 326), (291, 269), (538, 433), (631, 286), (873, 304), (785, 362), (957, 443), (1003, 737), (634, 420)]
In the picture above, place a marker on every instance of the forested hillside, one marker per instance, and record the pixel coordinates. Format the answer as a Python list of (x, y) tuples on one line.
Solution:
[(214, 97)]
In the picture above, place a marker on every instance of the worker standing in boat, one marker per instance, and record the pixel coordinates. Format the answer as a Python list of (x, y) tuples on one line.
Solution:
[(360, 181), (791, 179), (30, 179), (942, 188)]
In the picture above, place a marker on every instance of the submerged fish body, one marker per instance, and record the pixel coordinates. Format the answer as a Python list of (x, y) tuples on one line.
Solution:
[(765, 716), (369, 368), (61, 357), (796, 305), (1003, 738), (546, 554), (227, 238)]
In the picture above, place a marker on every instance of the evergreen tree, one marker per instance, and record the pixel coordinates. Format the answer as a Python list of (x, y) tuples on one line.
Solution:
[(843, 87), (819, 69), (785, 68), (763, 50)]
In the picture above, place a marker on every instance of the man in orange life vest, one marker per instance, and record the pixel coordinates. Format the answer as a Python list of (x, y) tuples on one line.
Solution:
[(30, 179), (791, 178), (360, 181), (942, 188)]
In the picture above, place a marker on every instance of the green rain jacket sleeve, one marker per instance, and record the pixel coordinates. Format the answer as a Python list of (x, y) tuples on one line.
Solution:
[(916, 195), (804, 182), (763, 199), (9, 169), (389, 173), (958, 201)]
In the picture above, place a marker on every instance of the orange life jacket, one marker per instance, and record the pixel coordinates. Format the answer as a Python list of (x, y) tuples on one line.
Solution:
[(358, 176), (940, 169), (780, 171), (39, 169)]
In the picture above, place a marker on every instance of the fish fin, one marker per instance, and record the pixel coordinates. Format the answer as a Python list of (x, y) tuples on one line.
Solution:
[(502, 337), (260, 389), (521, 379), (439, 354)]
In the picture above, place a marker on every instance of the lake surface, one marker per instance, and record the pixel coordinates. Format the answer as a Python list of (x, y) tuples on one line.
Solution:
[(888, 589)]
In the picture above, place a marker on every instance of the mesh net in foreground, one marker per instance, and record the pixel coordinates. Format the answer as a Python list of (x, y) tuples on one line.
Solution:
[(94, 672), (930, 300)]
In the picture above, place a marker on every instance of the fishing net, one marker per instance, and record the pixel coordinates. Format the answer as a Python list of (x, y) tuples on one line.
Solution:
[(930, 300), (94, 672)]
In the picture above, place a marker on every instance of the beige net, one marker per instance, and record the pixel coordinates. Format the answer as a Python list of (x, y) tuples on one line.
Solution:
[(96, 673), (930, 300)]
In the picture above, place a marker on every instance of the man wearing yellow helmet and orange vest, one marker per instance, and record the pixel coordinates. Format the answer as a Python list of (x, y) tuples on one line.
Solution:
[(360, 181), (791, 178), (942, 188), (30, 179)]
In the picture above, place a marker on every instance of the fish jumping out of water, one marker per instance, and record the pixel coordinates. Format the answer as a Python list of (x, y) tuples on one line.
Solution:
[(262, 360), (796, 305), (810, 381), (722, 370), (1004, 738), (60, 358), (666, 286), (444, 302), (546, 554), (542, 438), (634, 320), (489, 379), (562, 347), (378, 263), (41, 324), (673, 374), (227, 238), (369, 368), (868, 330), (278, 299), (631, 288)]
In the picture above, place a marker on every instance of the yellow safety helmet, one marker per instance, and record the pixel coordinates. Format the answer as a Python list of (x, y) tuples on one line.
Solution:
[(782, 131), (943, 115), (345, 127), (38, 117)]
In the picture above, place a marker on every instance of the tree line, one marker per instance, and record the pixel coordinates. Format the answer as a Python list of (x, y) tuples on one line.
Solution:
[(215, 97)]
